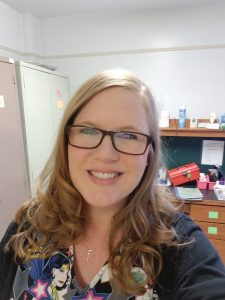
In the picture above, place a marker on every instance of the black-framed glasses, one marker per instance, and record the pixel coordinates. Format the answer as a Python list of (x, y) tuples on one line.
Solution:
[(127, 142)]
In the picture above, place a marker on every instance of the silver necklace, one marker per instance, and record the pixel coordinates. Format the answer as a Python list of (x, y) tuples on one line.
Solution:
[(89, 252)]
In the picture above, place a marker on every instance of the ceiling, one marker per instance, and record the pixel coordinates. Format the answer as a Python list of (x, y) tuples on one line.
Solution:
[(59, 8)]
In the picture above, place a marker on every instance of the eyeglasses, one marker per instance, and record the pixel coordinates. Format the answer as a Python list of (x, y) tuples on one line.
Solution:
[(127, 142)]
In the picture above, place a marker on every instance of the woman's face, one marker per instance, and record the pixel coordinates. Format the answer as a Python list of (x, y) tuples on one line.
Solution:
[(104, 176), (60, 275)]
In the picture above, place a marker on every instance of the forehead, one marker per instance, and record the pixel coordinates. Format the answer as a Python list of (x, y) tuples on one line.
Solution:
[(114, 108)]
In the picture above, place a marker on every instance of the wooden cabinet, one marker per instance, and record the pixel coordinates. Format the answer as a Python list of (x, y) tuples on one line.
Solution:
[(210, 216), (220, 246)]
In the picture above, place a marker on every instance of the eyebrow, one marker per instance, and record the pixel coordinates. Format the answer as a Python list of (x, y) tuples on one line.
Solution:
[(122, 128)]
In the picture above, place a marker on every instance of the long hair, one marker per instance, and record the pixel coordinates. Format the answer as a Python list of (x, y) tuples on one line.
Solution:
[(56, 215)]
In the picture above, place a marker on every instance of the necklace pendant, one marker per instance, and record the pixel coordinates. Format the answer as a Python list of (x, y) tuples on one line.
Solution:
[(89, 254)]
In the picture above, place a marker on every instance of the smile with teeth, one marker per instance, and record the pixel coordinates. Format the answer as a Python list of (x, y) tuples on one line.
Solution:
[(104, 175)]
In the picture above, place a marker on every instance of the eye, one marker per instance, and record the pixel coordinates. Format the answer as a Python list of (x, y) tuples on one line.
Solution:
[(127, 135), (88, 130)]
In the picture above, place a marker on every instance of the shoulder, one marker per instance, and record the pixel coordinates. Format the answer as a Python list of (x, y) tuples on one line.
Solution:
[(12, 228), (185, 227), (191, 238), (194, 267), (7, 264), (193, 243)]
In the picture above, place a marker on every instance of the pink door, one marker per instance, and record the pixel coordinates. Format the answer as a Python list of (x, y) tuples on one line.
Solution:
[(13, 187)]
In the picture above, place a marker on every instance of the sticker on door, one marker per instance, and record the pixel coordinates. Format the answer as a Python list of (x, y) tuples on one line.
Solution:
[(2, 102)]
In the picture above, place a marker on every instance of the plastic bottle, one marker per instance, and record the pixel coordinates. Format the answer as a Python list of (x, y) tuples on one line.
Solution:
[(222, 118), (222, 121), (182, 116)]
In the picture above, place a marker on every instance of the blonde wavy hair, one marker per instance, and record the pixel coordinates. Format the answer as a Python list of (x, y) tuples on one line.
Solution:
[(55, 217)]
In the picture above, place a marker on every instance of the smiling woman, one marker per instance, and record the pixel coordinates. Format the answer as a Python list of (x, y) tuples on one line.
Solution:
[(110, 167), (111, 232)]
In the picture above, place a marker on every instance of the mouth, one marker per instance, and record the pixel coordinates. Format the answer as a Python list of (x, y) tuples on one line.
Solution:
[(104, 175)]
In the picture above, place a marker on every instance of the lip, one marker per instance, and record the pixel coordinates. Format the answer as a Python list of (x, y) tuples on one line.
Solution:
[(104, 181)]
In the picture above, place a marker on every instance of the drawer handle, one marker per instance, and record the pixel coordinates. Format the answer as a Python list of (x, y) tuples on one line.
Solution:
[(212, 230), (213, 215)]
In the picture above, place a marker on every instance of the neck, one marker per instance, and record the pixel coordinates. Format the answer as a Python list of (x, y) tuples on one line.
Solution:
[(99, 219), (94, 239), (97, 229), (94, 242)]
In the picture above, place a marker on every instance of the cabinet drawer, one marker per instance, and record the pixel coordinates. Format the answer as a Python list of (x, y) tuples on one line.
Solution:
[(213, 230), (208, 213), (220, 247)]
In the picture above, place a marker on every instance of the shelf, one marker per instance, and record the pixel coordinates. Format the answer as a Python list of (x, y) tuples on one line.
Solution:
[(174, 130), (171, 130)]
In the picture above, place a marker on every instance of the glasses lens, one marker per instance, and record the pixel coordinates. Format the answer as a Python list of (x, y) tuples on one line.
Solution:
[(84, 137), (130, 142)]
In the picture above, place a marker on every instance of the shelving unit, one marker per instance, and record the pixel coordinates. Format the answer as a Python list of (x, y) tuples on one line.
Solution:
[(174, 130), (209, 213)]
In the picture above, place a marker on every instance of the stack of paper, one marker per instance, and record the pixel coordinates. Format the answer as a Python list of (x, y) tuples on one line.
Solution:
[(220, 191), (188, 193)]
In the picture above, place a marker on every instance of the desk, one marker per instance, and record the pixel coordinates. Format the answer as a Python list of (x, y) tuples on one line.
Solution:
[(209, 214)]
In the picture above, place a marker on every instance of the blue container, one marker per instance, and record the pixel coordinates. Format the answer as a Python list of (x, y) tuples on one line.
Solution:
[(182, 117), (222, 118)]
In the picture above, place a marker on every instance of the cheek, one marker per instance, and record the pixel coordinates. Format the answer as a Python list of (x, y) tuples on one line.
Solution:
[(73, 161), (74, 158), (71, 154), (143, 160), (139, 164)]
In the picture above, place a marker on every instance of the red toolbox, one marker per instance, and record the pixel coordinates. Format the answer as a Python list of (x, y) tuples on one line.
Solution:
[(184, 174)]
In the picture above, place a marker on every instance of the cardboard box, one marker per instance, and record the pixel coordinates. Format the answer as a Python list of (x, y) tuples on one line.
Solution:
[(184, 174)]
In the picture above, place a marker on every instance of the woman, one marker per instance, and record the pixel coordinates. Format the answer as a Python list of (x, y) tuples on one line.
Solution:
[(56, 271), (98, 202)]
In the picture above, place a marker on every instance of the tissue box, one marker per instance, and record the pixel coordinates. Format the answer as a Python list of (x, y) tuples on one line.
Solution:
[(184, 174)]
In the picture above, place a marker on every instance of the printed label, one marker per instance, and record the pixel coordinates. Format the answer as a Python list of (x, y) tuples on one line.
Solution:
[(212, 230), (213, 215)]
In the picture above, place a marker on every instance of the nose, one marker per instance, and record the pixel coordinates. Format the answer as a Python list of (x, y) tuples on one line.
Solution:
[(105, 151)]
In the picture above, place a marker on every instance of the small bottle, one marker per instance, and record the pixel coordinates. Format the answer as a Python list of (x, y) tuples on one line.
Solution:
[(222, 121), (222, 118), (182, 117), (212, 117)]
